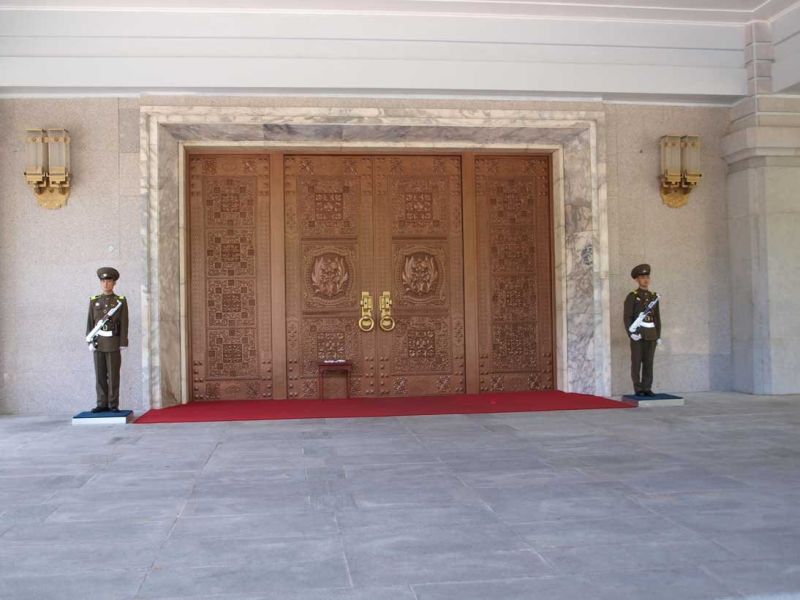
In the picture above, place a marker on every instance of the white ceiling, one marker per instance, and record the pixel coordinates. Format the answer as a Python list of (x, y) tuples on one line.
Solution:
[(719, 11)]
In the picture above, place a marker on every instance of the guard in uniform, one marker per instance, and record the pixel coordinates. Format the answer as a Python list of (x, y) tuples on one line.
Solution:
[(113, 336), (645, 338)]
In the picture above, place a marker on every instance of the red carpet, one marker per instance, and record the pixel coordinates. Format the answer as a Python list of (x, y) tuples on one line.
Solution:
[(254, 410)]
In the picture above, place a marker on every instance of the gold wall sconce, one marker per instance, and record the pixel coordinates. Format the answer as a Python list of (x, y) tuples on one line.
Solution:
[(47, 166), (680, 168)]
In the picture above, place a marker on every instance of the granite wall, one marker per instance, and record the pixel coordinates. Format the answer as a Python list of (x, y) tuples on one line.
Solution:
[(48, 258), (686, 247)]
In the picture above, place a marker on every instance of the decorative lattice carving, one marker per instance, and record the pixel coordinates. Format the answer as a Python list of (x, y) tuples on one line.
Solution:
[(229, 201), (328, 207), (230, 253), (422, 345), (331, 345), (327, 338), (513, 346), (514, 295), (231, 302), (232, 353)]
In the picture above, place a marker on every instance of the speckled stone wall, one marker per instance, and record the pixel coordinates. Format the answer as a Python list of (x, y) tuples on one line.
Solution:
[(687, 247), (48, 258)]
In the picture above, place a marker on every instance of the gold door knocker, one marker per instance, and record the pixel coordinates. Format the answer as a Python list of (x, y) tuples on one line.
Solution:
[(387, 321), (366, 322)]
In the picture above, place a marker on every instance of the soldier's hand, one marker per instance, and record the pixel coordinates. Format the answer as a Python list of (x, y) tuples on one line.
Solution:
[(658, 341), (636, 336)]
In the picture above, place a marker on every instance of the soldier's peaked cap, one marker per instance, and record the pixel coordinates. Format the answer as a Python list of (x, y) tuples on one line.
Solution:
[(640, 270), (108, 273)]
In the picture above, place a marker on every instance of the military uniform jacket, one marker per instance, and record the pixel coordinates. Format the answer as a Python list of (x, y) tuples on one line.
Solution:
[(635, 303), (118, 324)]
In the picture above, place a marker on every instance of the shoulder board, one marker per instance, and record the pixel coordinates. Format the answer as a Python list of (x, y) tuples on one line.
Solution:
[(95, 297), (121, 297)]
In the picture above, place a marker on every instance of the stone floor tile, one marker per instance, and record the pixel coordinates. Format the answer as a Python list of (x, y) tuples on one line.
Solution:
[(753, 518), (617, 529), (80, 558), (756, 576), (243, 579), (560, 588), (283, 524), (343, 459), (369, 593), (761, 544), (642, 555), (100, 509), (276, 556), (97, 532), (682, 479), (106, 584), (679, 582), (513, 508), (391, 519), (244, 504), (437, 554)]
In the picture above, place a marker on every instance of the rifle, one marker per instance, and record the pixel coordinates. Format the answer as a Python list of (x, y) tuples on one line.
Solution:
[(640, 319), (91, 337)]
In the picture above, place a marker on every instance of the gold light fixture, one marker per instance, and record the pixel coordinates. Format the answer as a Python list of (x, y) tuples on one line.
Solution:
[(680, 168), (47, 167)]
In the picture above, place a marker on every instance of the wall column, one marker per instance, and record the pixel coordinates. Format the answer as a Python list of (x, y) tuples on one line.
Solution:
[(762, 150), (763, 191)]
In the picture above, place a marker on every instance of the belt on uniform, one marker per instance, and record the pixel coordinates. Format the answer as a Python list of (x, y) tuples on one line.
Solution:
[(648, 325), (105, 333)]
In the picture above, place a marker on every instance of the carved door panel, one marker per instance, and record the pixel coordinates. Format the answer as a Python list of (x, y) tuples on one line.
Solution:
[(329, 262), (515, 307), (419, 254), (229, 291)]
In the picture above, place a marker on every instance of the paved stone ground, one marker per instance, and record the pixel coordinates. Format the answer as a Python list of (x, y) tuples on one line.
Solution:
[(683, 503)]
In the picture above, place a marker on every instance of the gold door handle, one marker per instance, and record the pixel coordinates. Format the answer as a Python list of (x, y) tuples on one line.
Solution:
[(387, 321), (366, 322)]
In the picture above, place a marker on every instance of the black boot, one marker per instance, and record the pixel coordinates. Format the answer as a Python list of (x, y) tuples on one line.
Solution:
[(99, 409)]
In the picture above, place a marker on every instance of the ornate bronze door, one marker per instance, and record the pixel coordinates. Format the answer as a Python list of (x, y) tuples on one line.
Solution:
[(389, 227), (229, 284), (515, 305)]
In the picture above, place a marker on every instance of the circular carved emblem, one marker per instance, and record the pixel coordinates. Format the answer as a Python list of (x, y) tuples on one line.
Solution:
[(329, 275), (420, 274)]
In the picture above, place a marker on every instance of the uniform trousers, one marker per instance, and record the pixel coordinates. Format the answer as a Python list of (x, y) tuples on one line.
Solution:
[(642, 353), (106, 370)]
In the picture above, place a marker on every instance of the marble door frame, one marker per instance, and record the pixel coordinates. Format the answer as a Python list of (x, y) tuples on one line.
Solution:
[(576, 140)]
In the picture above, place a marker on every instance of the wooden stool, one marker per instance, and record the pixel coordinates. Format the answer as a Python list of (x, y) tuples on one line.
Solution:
[(327, 366)]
